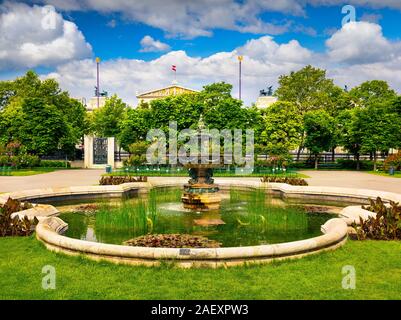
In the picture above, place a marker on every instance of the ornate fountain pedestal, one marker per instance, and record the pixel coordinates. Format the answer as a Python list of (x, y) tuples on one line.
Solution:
[(201, 194)]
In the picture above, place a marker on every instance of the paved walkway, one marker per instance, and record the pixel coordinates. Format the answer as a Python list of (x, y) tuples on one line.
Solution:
[(65, 178), (353, 179)]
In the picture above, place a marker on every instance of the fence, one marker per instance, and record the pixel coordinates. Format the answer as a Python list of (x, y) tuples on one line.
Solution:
[(325, 157)]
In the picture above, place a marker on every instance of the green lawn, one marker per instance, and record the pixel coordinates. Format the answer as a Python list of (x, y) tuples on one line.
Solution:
[(385, 174), (31, 171), (378, 276)]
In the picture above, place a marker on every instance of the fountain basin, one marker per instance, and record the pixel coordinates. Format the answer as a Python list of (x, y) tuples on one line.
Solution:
[(334, 230)]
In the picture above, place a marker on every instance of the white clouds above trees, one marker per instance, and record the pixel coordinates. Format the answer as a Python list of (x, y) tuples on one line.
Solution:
[(38, 36), (361, 42)]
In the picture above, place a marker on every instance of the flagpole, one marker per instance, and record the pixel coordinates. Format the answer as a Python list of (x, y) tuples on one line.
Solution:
[(240, 58), (97, 81)]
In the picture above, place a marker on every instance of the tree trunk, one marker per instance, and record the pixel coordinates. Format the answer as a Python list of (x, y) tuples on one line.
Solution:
[(333, 154), (371, 156), (301, 146), (358, 162), (316, 161), (374, 161)]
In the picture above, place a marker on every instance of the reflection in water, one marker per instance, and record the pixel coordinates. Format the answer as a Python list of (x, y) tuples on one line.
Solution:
[(245, 218)]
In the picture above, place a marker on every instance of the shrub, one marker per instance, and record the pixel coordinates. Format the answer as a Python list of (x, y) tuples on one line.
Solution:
[(15, 226), (21, 161), (291, 181), (55, 164), (115, 180), (352, 164), (134, 161), (393, 160), (385, 226)]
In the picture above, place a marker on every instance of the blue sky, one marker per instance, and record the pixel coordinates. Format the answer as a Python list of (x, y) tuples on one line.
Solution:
[(139, 40), (123, 39)]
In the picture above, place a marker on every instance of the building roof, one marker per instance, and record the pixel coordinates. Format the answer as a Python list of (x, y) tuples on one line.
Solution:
[(162, 91)]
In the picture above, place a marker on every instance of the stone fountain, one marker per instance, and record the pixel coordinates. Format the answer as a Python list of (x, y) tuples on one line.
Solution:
[(201, 193)]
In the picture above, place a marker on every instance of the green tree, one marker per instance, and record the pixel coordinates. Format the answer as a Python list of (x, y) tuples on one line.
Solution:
[(42, 128), (134, 126), (349, 133), (319, 129), (309, 89), (282, 128), (105, 121), (379, 128), (47, 94), (372, 92)]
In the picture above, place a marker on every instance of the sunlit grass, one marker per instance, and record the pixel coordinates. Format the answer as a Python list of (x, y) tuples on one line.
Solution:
[(377, 265)]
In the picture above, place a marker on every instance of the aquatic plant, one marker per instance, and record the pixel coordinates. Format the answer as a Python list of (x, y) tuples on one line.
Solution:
[(173, 241)]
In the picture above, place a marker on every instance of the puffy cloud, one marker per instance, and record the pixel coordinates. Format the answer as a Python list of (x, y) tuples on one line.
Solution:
[(347, 60), (149, 44), (189, 19), (264, 61), (361, 42), (37, 36), (198, 18)]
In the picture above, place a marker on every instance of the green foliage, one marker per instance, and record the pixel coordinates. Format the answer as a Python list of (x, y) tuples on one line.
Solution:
[(282, 128), (372, 92), (353, 165), (39, 115), (219, 109), (308, 89), (54, 164), (105, 121), (386, 225), (138, 154), (319, 129), (14, 226), (14, 155)]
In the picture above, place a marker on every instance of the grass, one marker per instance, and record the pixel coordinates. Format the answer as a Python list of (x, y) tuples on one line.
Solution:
[(386, 174), (377, 263), (31, 171)]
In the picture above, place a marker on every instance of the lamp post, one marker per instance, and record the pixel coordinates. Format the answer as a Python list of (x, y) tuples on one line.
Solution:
[(97, 81), (240, 58)]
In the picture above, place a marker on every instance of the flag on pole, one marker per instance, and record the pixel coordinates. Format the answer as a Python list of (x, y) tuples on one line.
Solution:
[(174, 68)]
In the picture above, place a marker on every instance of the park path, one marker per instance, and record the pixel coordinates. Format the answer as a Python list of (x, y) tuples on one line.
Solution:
[(87, 177), (353, 179)]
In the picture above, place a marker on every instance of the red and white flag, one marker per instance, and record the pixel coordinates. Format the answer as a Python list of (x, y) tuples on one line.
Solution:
[(174, 68)]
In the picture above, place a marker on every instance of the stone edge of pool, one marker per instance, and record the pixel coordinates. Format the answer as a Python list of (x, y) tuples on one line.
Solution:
[(335, 230)]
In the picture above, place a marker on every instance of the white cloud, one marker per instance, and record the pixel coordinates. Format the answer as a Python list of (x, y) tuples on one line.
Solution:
[(361, 42), (149, 44), (264, 61), (349, 60), (189, 19), (37, 36)]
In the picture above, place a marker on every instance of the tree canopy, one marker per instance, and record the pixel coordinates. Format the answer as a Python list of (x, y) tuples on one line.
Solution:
[(40, 115)]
